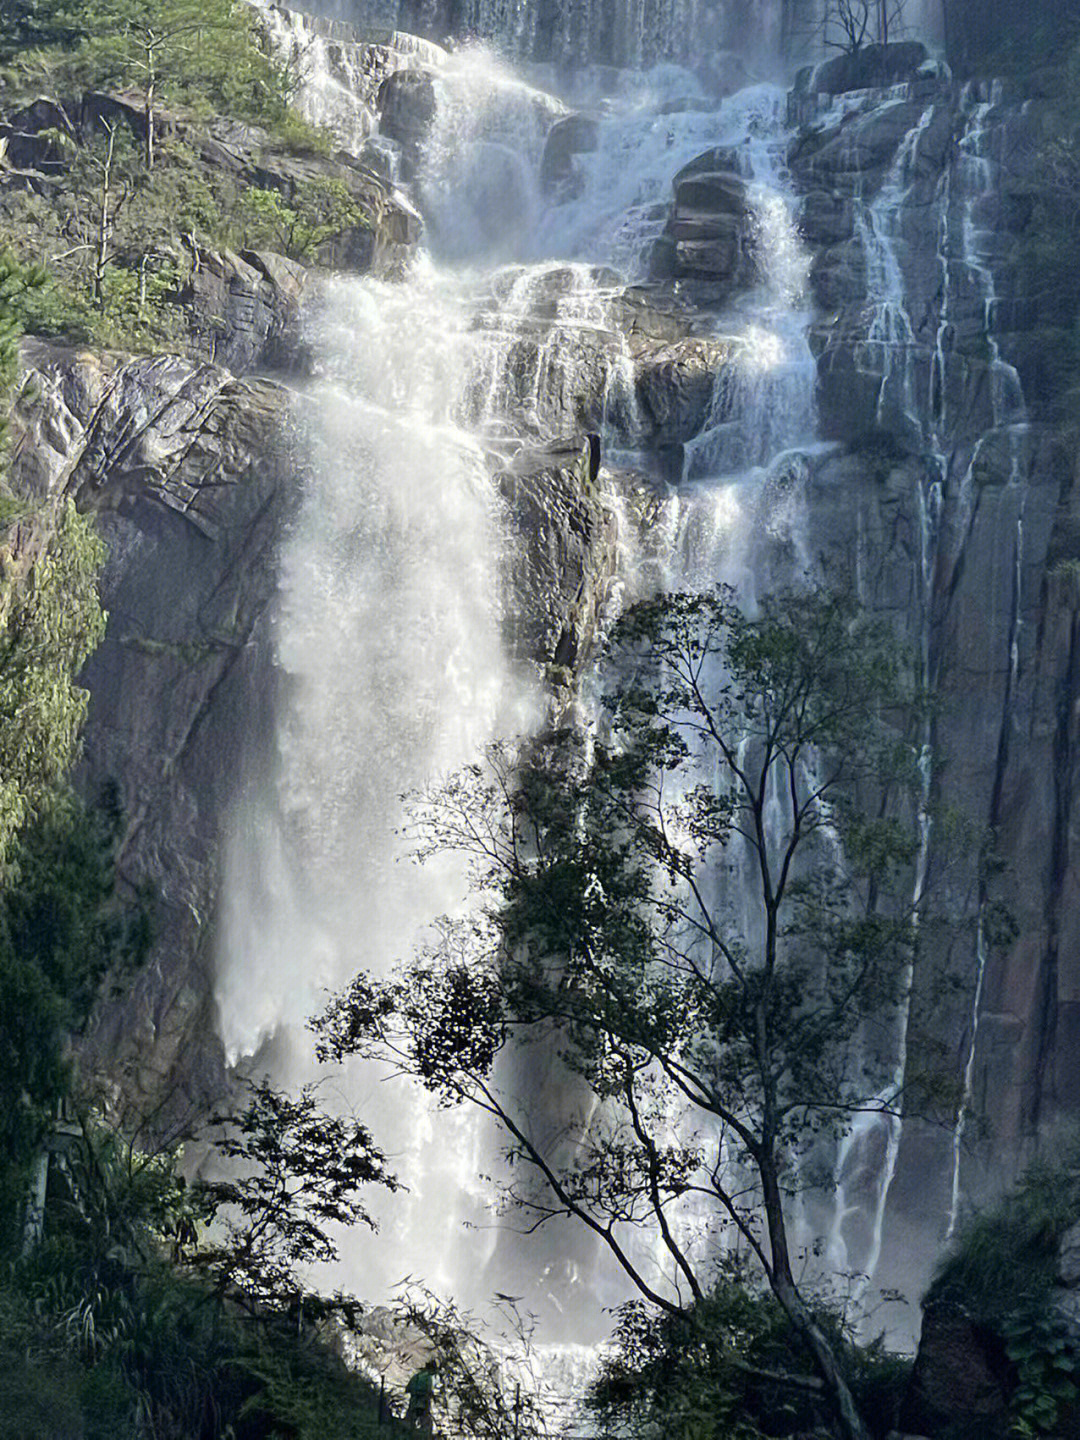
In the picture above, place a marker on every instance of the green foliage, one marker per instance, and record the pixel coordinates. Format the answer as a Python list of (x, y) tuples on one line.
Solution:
[(171, 1311), (50, 621), (1047, 1362), (296, 1169), (1005, 1258), (207, 53), (62, 931), (321, 210), (478, 1380), (730, 1367), (1001, 1271), (137, 191)]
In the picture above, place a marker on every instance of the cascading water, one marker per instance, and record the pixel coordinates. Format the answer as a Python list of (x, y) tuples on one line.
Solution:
[(389, 641), (390, 633)]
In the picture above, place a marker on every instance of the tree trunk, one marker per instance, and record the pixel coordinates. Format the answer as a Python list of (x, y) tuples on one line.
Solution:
[(782, 1284), (104, 221), (151, 103)]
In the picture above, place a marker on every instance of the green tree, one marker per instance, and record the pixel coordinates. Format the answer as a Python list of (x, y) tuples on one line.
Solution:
[(50, 621), (63, 929), (321, 210), (294, 1170), (202, 52), (704, 916)]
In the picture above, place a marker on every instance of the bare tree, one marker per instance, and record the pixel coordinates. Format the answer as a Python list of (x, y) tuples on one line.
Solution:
[(849, 25)]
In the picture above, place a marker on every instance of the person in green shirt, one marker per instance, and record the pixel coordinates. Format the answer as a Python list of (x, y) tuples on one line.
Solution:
[(420, 1391)]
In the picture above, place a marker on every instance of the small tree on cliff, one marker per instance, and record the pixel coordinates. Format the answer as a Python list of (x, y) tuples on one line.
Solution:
[(848, 25), (186, 50), (700, 917)]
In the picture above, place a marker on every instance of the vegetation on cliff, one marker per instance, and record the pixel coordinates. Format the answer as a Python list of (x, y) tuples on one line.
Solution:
[(133, 135)]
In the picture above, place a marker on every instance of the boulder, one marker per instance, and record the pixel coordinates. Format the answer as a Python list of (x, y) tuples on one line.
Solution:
[(101, 109), (709, 234), (869, 67), (676, 383), (959, 1379), (576, 135), (243, 309)]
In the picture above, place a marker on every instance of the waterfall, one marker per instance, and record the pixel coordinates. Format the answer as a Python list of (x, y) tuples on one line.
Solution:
[(511, 330), (630, 34)]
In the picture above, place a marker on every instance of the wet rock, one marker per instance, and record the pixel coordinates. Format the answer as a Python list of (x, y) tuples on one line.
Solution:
[(244, 309), (854, 154), (826, 218), (342, 68), (959, 1379), (563, 558), (676, 383), (709, 234), (576, 135), (407, 106)]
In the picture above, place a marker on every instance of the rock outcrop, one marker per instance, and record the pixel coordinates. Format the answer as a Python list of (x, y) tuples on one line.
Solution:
[(562, 559), (191, 473), (244, 310), (709, 235)]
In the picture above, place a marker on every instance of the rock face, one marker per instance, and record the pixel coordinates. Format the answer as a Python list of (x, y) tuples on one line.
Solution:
[(952, 495), (710, 233), (407, 106), (634, 33), (244, 309), (191, 474), (341, 69), (944, 487), (869, 67)]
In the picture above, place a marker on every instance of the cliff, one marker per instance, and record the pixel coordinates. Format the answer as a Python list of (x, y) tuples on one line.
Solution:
[(941, 480)]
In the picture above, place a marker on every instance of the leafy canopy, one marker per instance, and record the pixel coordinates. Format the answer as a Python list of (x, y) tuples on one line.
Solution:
[(706, 914)]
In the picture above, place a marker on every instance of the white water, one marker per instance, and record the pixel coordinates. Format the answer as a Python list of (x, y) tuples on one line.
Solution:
[(389, 637), (389, 629), (389, 644)]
